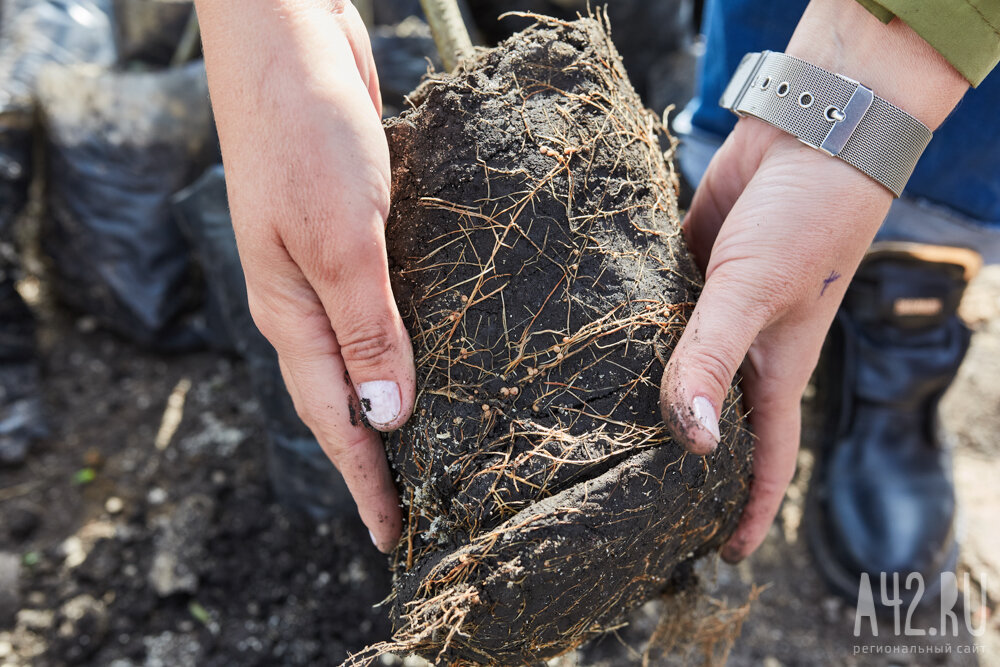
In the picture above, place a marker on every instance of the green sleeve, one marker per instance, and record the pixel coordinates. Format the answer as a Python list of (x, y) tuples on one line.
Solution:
[(965, 32)]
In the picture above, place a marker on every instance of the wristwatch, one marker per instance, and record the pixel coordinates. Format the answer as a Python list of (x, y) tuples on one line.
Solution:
[(831, 113)]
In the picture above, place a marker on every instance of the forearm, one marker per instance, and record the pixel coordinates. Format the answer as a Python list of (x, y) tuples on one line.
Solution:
[(269, 59), (891, 59)]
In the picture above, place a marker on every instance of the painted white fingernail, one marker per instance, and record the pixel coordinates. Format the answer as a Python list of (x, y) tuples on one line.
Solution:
[(705, 414), (380, 401)]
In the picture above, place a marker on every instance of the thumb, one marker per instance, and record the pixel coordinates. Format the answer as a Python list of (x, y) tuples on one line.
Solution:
[(702, 366), (371, 337)]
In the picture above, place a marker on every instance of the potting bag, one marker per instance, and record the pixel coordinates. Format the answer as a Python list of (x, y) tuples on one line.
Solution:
[(150, 30), (34, 33), (119, 144)]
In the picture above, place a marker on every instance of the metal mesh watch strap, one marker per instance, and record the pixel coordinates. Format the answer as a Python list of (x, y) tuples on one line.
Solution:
[(831, 113)]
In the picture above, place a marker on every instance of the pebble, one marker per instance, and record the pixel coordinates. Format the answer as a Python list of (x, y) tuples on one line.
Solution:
[(38, 620), (156, 496), (179, 547), (86, 324), (114, 505), (831, 609), (73, 551)]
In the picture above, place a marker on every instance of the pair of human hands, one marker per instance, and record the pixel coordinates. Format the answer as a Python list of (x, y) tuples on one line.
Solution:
[(777, 227)]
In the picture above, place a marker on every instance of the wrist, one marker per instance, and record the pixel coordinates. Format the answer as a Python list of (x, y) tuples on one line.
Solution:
[(263, 43), (893, 60)]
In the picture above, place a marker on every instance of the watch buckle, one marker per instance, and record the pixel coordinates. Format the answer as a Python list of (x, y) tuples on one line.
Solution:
[(745, 73), (842, 130)]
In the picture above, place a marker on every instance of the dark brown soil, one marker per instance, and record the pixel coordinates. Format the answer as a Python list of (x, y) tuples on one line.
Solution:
[(201, 566), (536, 255)]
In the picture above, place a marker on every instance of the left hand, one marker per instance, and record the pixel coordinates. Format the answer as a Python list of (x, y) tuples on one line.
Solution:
[(778, 256), (779, 230)]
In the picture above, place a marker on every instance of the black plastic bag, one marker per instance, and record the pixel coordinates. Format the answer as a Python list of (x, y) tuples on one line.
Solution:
[(301, 474), (33, 34), (21, 414), (119, 145), (391, 12), (402, 54), (45, 32), (150, 30)]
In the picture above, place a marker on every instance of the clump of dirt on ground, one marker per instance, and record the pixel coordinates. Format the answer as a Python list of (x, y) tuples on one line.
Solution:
[(536, 255)]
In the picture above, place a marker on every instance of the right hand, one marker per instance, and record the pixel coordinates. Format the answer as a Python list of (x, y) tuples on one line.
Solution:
[(297, 104)]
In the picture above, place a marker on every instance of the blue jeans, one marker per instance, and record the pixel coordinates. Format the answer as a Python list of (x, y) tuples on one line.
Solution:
[(953, 197)]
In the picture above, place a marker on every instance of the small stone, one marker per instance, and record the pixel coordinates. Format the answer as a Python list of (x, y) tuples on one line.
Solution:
[(114, 505), (180, 546), (73, 551), (37, 620), (831, 609), (86, 324), (156, 496)]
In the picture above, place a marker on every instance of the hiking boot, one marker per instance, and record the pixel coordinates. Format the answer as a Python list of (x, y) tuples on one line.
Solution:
[(882, 497)]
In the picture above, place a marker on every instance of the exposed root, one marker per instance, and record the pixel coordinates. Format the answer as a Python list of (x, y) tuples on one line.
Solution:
[(544, 283)]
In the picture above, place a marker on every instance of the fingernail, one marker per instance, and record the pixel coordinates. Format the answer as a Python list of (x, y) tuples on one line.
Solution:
[(372, 535), (380, 401), (730, 555), (705, 414)]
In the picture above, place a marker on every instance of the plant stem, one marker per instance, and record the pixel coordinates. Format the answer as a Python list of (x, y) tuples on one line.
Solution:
[(450, 34)]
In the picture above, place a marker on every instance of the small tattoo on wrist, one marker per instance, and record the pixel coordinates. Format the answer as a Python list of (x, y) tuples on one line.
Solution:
[(829, 280)]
